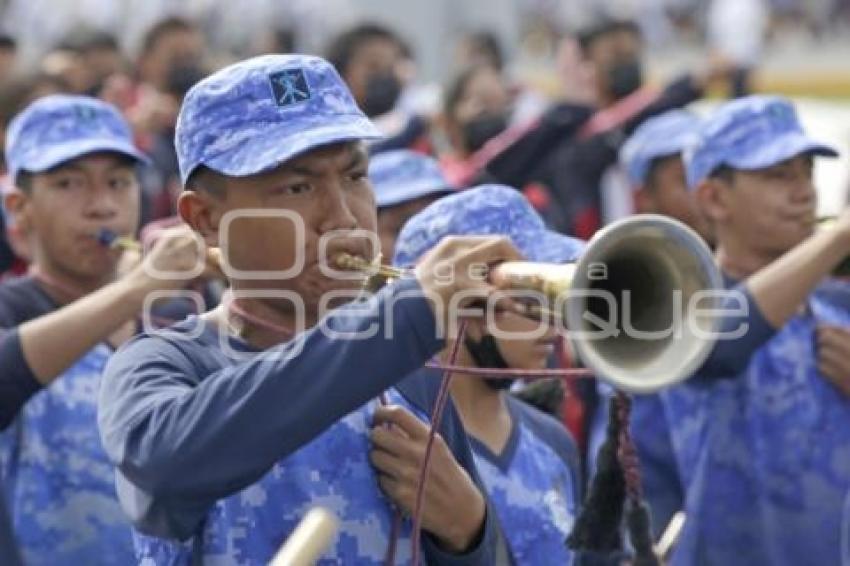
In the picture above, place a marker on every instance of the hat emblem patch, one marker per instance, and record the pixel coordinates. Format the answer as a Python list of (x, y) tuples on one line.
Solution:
[(289, 87)]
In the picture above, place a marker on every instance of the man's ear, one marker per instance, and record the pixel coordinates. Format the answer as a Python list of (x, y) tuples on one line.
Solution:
[(18, 205), (203, 213), (713, 200)]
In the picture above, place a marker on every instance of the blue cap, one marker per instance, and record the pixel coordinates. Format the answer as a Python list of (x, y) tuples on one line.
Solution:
[(754, 132), (61, 127), (256, 114), (402, 175), (487, 210), (662, 136)]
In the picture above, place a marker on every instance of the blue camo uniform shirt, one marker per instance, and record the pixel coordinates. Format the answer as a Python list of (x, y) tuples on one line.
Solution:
[(58, 482), (764, 454), (227, 455), (533, 485)]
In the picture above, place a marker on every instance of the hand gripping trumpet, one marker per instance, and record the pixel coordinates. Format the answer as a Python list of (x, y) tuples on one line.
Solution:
[(637, 303)]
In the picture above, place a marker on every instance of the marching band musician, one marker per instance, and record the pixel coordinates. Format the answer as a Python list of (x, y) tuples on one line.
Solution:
[(225, 429)]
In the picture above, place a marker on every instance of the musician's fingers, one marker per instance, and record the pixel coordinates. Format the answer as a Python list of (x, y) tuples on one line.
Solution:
[(393, 441), (402, 494), (404, 419)]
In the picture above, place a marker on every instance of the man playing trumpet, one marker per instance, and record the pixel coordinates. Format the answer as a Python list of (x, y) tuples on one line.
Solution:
[(227, 428)]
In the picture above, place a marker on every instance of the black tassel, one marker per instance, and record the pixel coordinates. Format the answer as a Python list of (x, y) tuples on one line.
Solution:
[(639, 523), (597, 528)]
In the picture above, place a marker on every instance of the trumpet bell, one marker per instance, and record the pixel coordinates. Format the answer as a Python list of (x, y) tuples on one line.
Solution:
[(637, 303)]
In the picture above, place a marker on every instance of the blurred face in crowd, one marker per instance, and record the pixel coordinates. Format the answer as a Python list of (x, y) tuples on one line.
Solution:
[(375, 75), (482, 111), (518, 352), (666, 192), (70, 68), (391, 219), (177, 49), (763, 213), (7, 61), (615, 57), (327, 188), (63, 209)]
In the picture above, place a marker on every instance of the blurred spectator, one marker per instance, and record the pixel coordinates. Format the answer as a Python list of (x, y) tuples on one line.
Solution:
[(170, 46), (614, 50), (476, 109), (378, 67), (480, 48), (736, 30), (101, 55), (8, 57), (370, 58), (170, 62)]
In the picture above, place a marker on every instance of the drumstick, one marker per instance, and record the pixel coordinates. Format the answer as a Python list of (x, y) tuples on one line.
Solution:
[(309, 539), (670, 535)]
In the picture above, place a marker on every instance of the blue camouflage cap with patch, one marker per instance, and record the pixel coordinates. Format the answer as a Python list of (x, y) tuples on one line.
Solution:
[(487, 210), (256, 114), (403, 175), (60, 127), (754, 132), (662, 136)]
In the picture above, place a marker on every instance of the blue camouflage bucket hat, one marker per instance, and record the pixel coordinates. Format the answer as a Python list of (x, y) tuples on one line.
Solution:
[(662, 136), (58, 128), (256, 114), (487, 210), (403, 175), (754, 132)]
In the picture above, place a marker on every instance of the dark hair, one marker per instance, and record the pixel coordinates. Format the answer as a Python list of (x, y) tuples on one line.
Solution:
[(654, 165), (7, 42), (162, 28), (487, 43), (343, 48), (458, 85), (589, 35), (723, 173), (205, 180), (86, 40), (24, 181)]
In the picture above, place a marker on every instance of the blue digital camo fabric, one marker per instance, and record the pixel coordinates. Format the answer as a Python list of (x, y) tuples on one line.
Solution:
[(753, 132), (765, 456), (486, 210), (258, 113), (57, 128), (60, 485), (534, 498), (662, 136), (332, 471)]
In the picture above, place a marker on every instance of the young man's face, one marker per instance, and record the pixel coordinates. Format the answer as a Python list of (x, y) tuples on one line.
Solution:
[(173, 50), (768, 211), (666, 193), (64, 208), (378, 56), (328, 189), (523, 353), (391, 220), (616, 59)]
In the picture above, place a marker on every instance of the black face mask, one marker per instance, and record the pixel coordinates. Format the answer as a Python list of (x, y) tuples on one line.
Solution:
[(486, 354), (382, 92), (482, 129), (624, 78)]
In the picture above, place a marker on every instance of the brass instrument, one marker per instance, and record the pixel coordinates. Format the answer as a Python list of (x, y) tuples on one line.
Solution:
[(646, 259)]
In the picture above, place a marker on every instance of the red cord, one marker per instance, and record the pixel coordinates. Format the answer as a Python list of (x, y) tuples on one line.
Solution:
[(436, 418), (525, 373)]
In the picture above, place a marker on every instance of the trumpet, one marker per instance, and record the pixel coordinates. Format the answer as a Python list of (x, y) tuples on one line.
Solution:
[(631, 275)]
